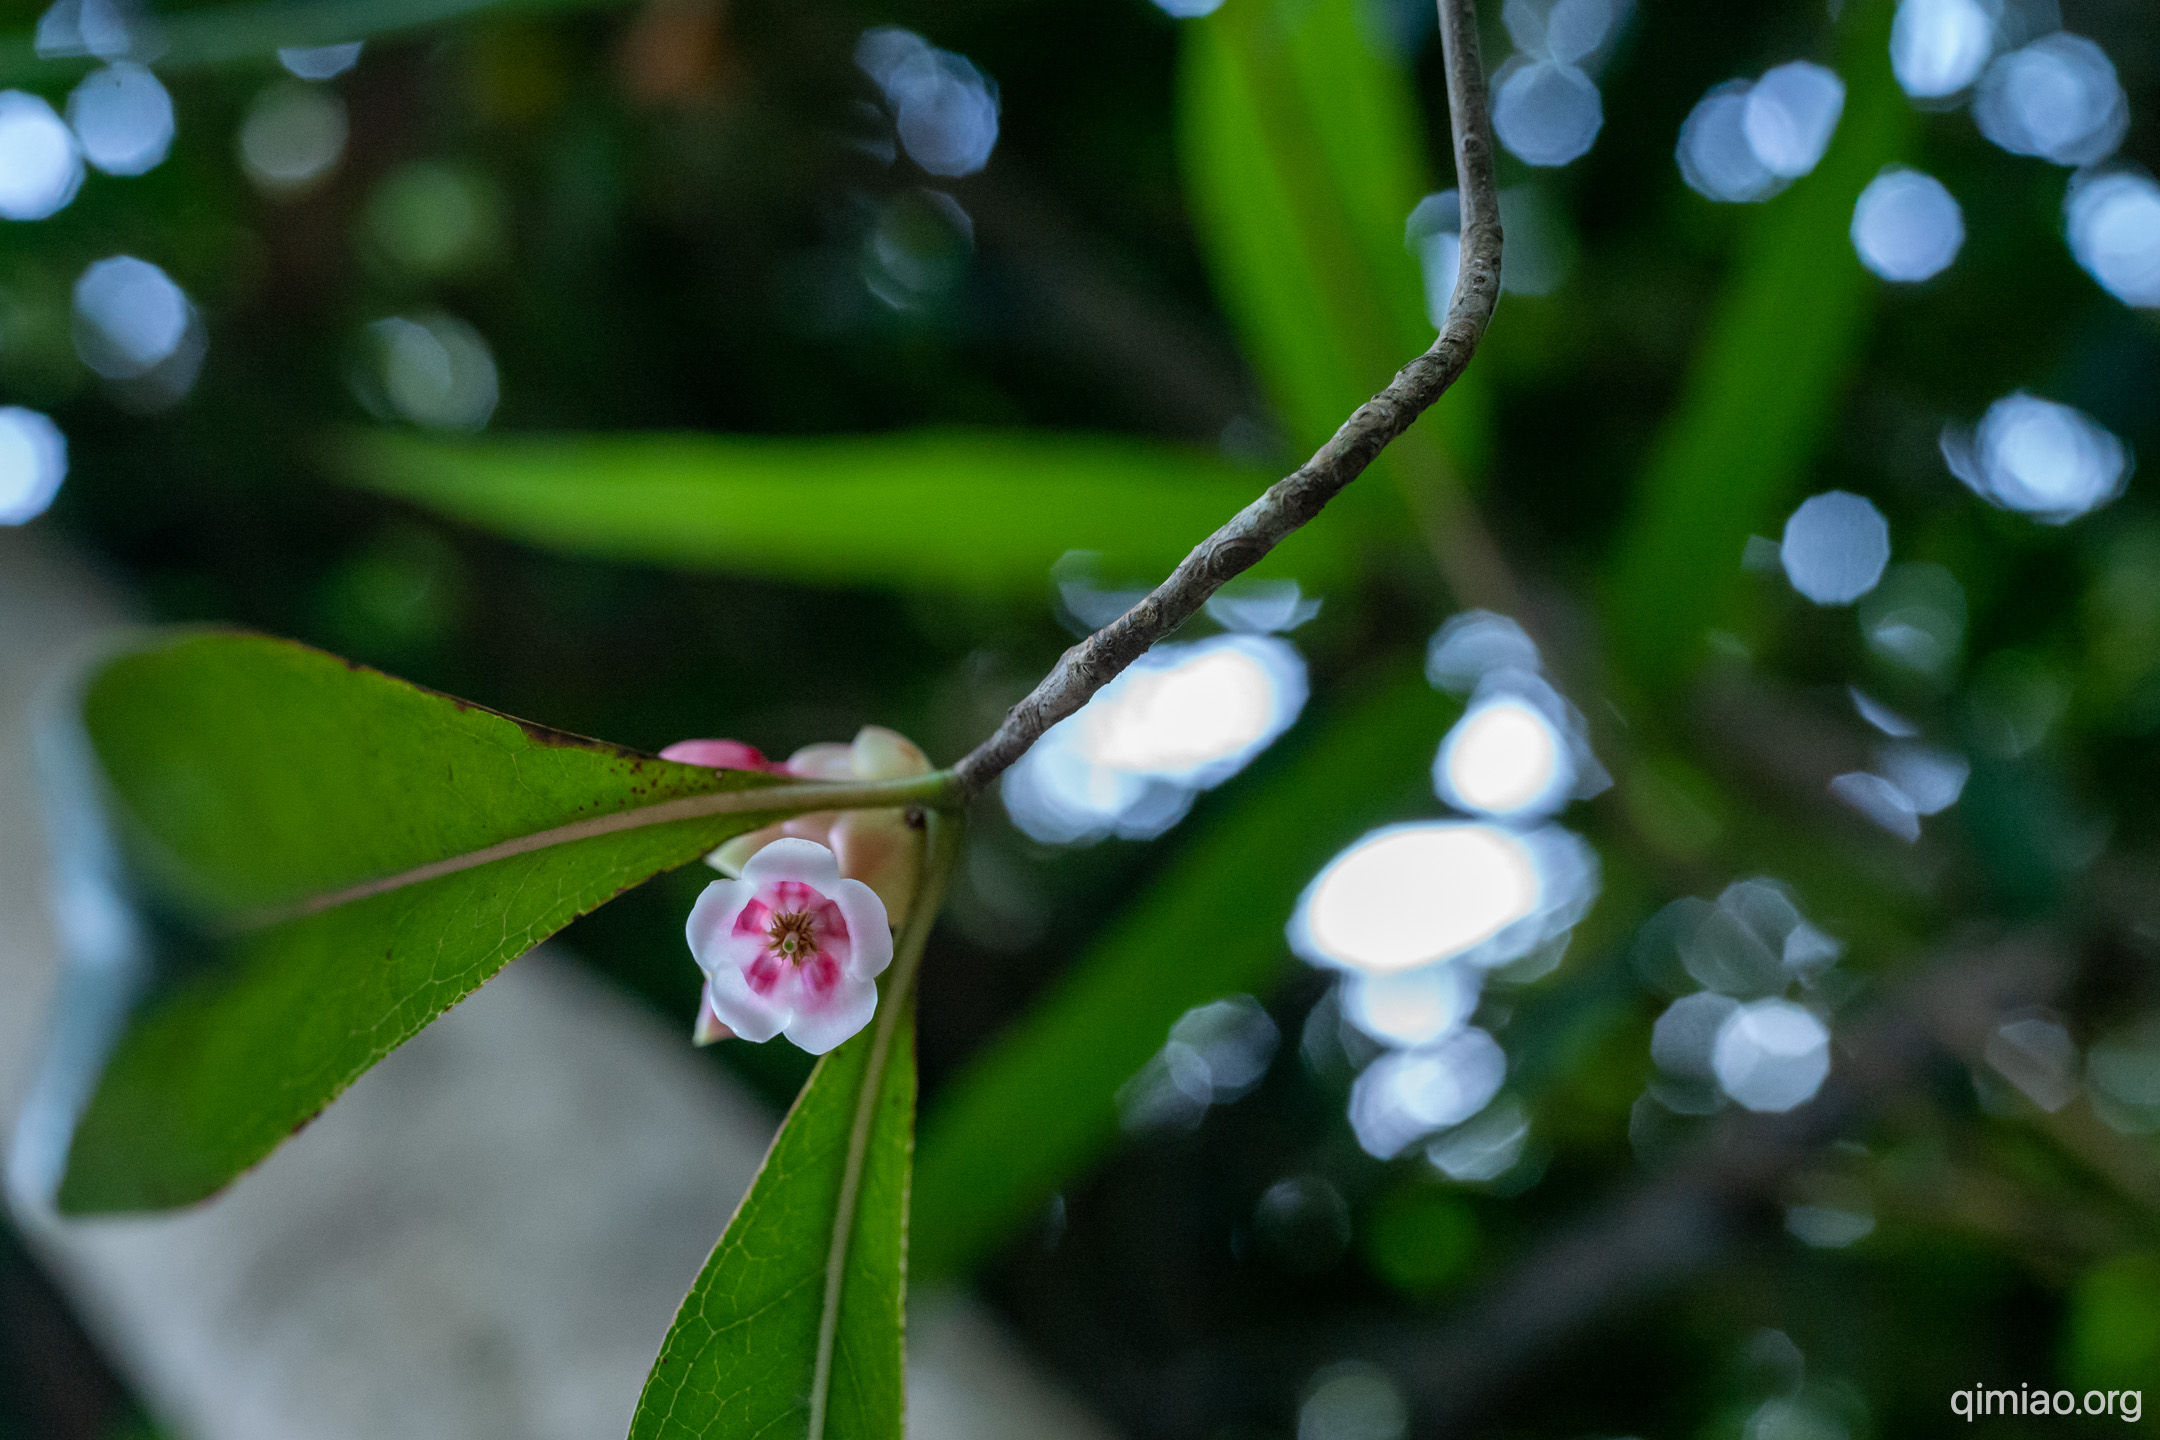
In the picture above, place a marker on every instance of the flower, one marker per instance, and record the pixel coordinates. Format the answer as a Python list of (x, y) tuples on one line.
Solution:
[(876, 847), (789, 948)]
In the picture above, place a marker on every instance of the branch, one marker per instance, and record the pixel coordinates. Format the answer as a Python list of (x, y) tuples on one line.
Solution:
[(1295, 499)]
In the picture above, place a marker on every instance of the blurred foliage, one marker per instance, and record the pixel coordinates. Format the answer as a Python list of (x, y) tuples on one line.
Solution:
[(674, 225), (980, 513)]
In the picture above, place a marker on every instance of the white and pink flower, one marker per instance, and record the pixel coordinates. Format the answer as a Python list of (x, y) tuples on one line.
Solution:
[(791, 948), (876, 847)]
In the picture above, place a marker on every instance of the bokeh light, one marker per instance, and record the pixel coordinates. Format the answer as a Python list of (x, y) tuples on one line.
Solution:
[(130, 317), (1714, 155), (1413, 1007), (1931, 779), (918, 249), (1200, 713), (1906, 226), (1512, 754), (432, 219), (1184, 718), (122, 119), (1261, 607), (1406, 1095), (1544, 111), (2122, 1070), (2035, 1053), (1915, 619), (1684, 1036), (1474, 644), (2039, 458), (40, 166), (33, 462), (107, 29), (319, 62), (1568, 31), (2113, 222), (1484, 1147), (1771, 1055), (1824, 1227), (1353, 1401), (944, 109), (2056, 98), (1414, 894), (1746, 140), (1880, 801), (1751, 943), (433, 370), (1938, 47), (1879, 715), (1502, 758), (1835, 547), (1216, 1053), (1792, 112), (293, 135)]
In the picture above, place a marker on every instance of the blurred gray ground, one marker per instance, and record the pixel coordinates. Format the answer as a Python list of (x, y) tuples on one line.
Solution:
[(486, 1237)]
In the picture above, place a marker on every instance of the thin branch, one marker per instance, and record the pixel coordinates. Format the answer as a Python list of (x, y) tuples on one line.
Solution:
[(1299, 496)]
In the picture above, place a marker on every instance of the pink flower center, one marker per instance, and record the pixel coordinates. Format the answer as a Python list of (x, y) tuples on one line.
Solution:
[(795, 931)]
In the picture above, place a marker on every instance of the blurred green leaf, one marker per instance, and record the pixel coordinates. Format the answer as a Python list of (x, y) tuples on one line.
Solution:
[(1038, 1105), (978, 511), (1420, 1237), (1303, 159), (1764, 384), (251, 777), (2114, 1329), (742, 1357), (222, 34)]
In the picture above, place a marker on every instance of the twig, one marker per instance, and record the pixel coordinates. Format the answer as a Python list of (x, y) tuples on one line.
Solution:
[(1298, 497)]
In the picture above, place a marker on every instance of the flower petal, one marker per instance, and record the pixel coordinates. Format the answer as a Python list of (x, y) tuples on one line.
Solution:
[(712, 920), (753, 1016), (867, 928), (844, 1012), (791, 859)]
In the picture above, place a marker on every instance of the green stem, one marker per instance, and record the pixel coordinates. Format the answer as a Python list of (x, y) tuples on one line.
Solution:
[(938, 791)]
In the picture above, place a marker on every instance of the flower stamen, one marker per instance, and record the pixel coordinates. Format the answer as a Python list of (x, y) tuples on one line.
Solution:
[(793, 936)]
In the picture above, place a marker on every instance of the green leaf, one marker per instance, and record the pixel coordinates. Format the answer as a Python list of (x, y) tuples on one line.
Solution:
[(1303, 159), (1038, 1106), (355, 855), (958, 510), (795, 1327), (1764, 384)]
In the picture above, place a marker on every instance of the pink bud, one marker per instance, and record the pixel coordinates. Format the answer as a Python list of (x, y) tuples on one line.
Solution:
[(709, 1029), (874, 846), (721, 755)]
